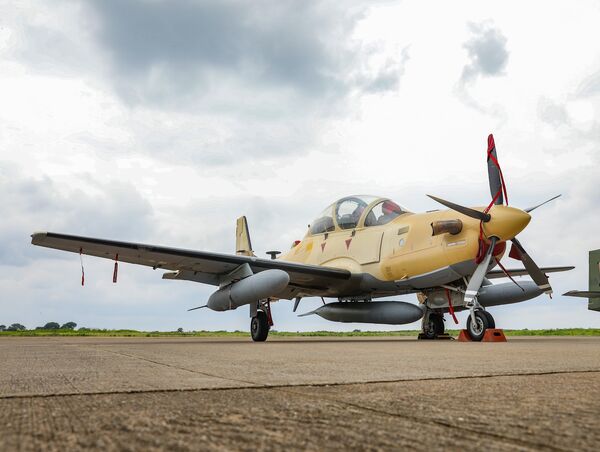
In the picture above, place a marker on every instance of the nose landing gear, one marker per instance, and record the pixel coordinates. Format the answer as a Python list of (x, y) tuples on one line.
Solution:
[(478, 322)]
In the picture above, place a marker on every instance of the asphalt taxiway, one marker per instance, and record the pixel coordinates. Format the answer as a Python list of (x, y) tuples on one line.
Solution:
[(301, 393)]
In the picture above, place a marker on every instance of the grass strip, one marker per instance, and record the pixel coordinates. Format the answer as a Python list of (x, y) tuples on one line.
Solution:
[(222, 333)]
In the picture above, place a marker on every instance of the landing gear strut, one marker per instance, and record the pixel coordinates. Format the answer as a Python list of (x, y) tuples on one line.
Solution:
[(478, 322)]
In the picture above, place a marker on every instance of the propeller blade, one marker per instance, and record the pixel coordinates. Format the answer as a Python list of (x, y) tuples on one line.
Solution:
[(479, 274), (296, 303), (197, 307), (529, 209), (485, 217), (538, 276), (495, 173)]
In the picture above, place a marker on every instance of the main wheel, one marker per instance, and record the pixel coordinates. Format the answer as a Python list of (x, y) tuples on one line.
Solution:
[(259, 327), (482, 322), (435, 326)]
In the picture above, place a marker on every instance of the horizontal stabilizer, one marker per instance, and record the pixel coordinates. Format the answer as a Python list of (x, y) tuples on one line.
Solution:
[(583, 293), (592, 295), (593, 292)]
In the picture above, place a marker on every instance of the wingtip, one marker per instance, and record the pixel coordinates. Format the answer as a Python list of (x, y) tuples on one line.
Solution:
[(36, 236)]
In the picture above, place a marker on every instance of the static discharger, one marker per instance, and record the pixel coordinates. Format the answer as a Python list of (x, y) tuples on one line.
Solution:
[(116, 269), (82, 271)]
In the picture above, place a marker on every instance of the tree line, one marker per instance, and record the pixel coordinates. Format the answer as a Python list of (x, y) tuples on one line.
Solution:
[(47, 326)]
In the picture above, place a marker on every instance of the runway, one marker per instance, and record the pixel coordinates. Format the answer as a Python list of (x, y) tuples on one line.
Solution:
[(305, 393)]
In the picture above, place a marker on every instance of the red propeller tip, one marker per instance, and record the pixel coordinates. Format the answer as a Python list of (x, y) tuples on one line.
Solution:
[(491, 144)]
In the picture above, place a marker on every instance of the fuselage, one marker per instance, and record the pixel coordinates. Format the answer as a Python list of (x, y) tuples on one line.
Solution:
[(405, 247)]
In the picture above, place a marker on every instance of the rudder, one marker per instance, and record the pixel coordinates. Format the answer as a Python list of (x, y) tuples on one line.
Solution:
[(594, 284)]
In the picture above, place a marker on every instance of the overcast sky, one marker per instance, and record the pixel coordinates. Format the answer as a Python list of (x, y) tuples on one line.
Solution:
[(162, 122)]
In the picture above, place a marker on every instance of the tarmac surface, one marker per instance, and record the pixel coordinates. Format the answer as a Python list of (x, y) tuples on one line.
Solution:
[(300, 393)]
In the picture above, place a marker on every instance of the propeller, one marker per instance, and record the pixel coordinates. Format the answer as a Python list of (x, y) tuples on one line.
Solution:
[(496, 179), (509, 220), (481, 216), (529, 209), (538, 276)]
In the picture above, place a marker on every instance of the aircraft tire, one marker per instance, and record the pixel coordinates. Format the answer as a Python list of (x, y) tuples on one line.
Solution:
[(491, 321), (259, 327), (477, 330), (435, 326)]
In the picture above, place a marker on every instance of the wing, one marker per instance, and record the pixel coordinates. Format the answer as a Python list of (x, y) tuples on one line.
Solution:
[(522, 272), (199, 266)]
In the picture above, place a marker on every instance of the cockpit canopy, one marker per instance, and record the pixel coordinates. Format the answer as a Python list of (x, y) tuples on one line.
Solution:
[(356, 211)]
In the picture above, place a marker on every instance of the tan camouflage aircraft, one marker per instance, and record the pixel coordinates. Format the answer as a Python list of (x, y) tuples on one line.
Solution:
[(358, 249)]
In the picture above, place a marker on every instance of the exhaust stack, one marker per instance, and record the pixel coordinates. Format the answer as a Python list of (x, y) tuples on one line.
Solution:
[(446, 226)]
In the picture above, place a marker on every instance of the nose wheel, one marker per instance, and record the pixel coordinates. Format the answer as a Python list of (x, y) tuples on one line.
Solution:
[(259, 326), (478, 322)]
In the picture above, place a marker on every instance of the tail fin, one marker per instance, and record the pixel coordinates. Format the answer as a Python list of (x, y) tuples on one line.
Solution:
[(594, 302), (243, 246), (593, 294)]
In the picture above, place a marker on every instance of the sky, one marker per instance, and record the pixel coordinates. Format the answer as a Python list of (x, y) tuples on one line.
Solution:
[(162, 122)]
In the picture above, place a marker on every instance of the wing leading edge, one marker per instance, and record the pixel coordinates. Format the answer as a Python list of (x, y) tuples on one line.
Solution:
[(200, 266)]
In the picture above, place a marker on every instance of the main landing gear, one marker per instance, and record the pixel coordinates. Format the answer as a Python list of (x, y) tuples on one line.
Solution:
[(434, 326), (261, 321)]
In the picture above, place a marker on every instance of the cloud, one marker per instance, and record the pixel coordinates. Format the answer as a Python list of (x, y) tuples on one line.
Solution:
[(387, 77), (111, 210), (174, 51), (590, 86), (551, 112), (486, 50), (573, 120), (488, 57), (207, 82)]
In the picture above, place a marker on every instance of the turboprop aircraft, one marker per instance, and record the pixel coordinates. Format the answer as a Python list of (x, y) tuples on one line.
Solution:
[(593, 292), (358, 249)]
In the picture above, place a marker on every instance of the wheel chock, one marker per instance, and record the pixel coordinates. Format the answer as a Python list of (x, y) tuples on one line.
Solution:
[(494, 335), (490, 335), (463, 336)]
